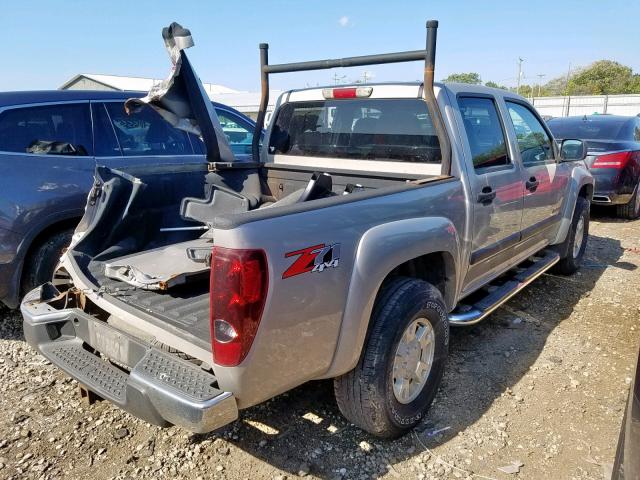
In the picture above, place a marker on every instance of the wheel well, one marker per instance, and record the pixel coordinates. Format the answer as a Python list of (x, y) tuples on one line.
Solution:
[(437, 268), (45, 233), (586, 192)]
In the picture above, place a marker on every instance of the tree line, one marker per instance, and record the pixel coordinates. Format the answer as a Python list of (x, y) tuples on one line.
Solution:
[(604, 77)]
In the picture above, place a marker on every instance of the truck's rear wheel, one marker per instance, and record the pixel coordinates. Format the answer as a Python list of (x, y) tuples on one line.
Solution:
[(402, 361)]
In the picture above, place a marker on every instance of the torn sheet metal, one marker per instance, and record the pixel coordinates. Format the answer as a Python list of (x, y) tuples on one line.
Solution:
[(163, 268), (182, 100)]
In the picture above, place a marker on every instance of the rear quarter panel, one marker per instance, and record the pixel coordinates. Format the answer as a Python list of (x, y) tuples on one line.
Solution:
[(308, 315), (37, 187), (36, 192)]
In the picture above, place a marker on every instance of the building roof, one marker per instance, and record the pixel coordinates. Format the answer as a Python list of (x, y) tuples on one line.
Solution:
[(245, 101), (127, 84)]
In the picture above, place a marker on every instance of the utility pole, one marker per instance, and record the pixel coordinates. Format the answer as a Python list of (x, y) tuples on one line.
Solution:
[(540, 77), (365, 76), (338, 78), (520, 60)]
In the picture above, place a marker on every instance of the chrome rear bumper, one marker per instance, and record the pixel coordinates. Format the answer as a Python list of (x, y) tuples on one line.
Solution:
[(141, 379)]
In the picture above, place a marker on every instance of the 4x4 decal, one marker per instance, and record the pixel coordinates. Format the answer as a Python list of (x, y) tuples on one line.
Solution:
[(313, 259)]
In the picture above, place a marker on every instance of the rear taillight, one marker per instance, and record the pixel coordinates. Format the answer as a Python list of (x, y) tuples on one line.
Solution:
[(347, 92), (616, 160), (239, 281)]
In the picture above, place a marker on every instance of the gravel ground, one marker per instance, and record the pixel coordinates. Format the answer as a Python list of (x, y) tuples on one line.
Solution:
[(536, 391)]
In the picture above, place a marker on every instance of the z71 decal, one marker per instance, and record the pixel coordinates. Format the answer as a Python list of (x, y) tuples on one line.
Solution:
[(313, 259)]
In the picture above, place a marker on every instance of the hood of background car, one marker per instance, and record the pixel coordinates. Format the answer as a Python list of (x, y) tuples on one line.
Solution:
[(182, 100)]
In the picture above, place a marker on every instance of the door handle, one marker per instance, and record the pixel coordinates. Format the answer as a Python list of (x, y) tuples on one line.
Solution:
[(486, 196), (532, 184)]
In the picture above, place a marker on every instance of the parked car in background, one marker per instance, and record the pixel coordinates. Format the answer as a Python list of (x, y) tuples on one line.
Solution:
[(613, 143), (50, 144)]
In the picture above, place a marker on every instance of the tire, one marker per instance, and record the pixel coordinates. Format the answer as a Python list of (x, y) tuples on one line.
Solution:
[(571, 256), (366, 394), (631, 209), (43, 259)]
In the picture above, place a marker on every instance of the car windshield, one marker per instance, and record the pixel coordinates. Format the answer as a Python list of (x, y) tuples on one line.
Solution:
[(380, 129), (589, 128)]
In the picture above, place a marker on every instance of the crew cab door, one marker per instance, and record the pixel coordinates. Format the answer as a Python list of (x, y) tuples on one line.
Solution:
[(495, 183), (545, 179)]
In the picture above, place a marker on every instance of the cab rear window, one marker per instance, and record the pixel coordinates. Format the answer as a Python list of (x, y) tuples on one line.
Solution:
[(368, 129)]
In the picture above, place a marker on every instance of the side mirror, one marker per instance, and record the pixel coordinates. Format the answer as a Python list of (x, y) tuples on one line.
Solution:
[(572, 149)]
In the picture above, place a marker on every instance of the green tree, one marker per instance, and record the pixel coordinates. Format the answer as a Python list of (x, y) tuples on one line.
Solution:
[(634, 84), (555, 86), (471, 77), (493, 84), (602, 78), (527, 90)]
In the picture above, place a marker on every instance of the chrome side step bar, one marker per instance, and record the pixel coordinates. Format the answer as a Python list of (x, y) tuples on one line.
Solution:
[(470, 315)]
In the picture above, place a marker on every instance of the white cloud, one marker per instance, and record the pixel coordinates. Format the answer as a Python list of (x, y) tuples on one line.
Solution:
[(343, 21)]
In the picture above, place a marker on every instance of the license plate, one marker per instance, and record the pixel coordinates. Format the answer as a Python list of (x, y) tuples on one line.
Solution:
[(109, 342)]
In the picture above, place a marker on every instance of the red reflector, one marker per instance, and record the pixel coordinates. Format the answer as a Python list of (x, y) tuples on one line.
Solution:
[(347, 92), (344, 92), (612, 160), (239, 282)]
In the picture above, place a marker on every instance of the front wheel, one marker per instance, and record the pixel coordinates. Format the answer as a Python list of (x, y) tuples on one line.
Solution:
[(574, 246), (402, 362)]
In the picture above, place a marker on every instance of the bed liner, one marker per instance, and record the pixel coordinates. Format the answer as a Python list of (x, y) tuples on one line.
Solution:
[(184, 307)]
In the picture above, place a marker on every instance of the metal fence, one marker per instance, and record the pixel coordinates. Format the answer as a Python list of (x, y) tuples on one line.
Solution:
[(587, 105)]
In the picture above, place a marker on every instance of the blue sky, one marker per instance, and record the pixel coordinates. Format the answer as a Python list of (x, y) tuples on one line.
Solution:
[(47, 42)]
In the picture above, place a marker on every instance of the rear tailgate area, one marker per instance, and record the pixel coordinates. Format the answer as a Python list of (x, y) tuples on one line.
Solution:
[(185, 307)]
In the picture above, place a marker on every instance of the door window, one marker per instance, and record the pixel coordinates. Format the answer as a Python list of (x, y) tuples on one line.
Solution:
[(484, 131), (104, 135), (533, 141), (60, 129), (145, 132), (238, 132)]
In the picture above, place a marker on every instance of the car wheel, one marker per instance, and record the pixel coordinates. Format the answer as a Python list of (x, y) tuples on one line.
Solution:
[(43, 260), (575, 244), (631, 209), (402, 361)]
